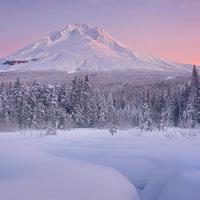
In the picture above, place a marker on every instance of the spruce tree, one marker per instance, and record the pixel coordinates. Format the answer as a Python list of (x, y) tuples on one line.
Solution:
[(4, 106), (191, 114), (145, 121)]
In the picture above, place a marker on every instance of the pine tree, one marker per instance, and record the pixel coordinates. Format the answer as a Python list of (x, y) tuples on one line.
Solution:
[(169, 108), (35, 92), (74, 102), (198, 99), (161, 111), (63, 105), (16, 102), (100, 101), (25, 113), (134, 115), (163, 119), (192, 108), (145, 121), (4, 107), (87, 99), (111, 113), (52, 109)]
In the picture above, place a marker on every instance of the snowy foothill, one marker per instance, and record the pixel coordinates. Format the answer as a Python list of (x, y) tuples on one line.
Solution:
[(92, 164)]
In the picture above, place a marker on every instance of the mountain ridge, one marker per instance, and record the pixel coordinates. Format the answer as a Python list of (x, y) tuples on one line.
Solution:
[(80, 47)]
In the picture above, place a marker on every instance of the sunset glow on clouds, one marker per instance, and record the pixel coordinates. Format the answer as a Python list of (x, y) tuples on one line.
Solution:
[(167, 28)]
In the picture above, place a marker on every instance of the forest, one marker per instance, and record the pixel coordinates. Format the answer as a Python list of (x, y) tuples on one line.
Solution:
[(78, 105)]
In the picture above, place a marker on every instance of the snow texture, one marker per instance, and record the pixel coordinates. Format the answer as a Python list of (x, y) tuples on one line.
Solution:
[(161, 165), (28, 173)]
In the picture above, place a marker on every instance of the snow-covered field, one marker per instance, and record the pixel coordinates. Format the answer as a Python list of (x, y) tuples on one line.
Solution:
[(84, 164)]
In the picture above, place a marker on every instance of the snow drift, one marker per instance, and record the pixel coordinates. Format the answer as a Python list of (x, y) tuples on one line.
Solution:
[(28, 173)]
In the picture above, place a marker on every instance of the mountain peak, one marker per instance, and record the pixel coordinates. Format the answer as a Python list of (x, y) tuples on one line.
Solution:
[(85, 29), (81, 47), (81, 30), (79, 27)]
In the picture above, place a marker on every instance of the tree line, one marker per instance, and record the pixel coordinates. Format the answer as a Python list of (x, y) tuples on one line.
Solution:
[(61, 106)]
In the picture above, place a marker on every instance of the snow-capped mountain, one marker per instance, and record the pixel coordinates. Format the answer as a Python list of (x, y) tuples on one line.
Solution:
[(80, 47)]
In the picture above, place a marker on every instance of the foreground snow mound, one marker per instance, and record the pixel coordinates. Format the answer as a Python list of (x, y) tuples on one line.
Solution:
[(28, 174), (80, 47), (159, 164)]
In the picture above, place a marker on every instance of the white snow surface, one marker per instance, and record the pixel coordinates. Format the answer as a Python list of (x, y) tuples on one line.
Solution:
[(83, 164), (28, 173), (80, 47)]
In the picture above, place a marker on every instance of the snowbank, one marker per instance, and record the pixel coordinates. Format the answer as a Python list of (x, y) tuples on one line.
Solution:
[(152, 161), (161, 166), (28, 174)]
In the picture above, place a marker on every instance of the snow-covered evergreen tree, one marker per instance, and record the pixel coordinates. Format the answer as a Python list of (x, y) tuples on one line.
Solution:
[(192, 107), (111, 113), (168, 109), (17, 102), (41, 106), (88, 104), (4, 106), (100, 101), (163, 119), (145, 121)]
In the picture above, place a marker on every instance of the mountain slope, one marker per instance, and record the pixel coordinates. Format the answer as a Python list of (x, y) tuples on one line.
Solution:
[(80, 47)]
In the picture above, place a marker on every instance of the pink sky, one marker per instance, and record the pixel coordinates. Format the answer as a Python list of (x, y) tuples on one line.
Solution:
[(166, 28)]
